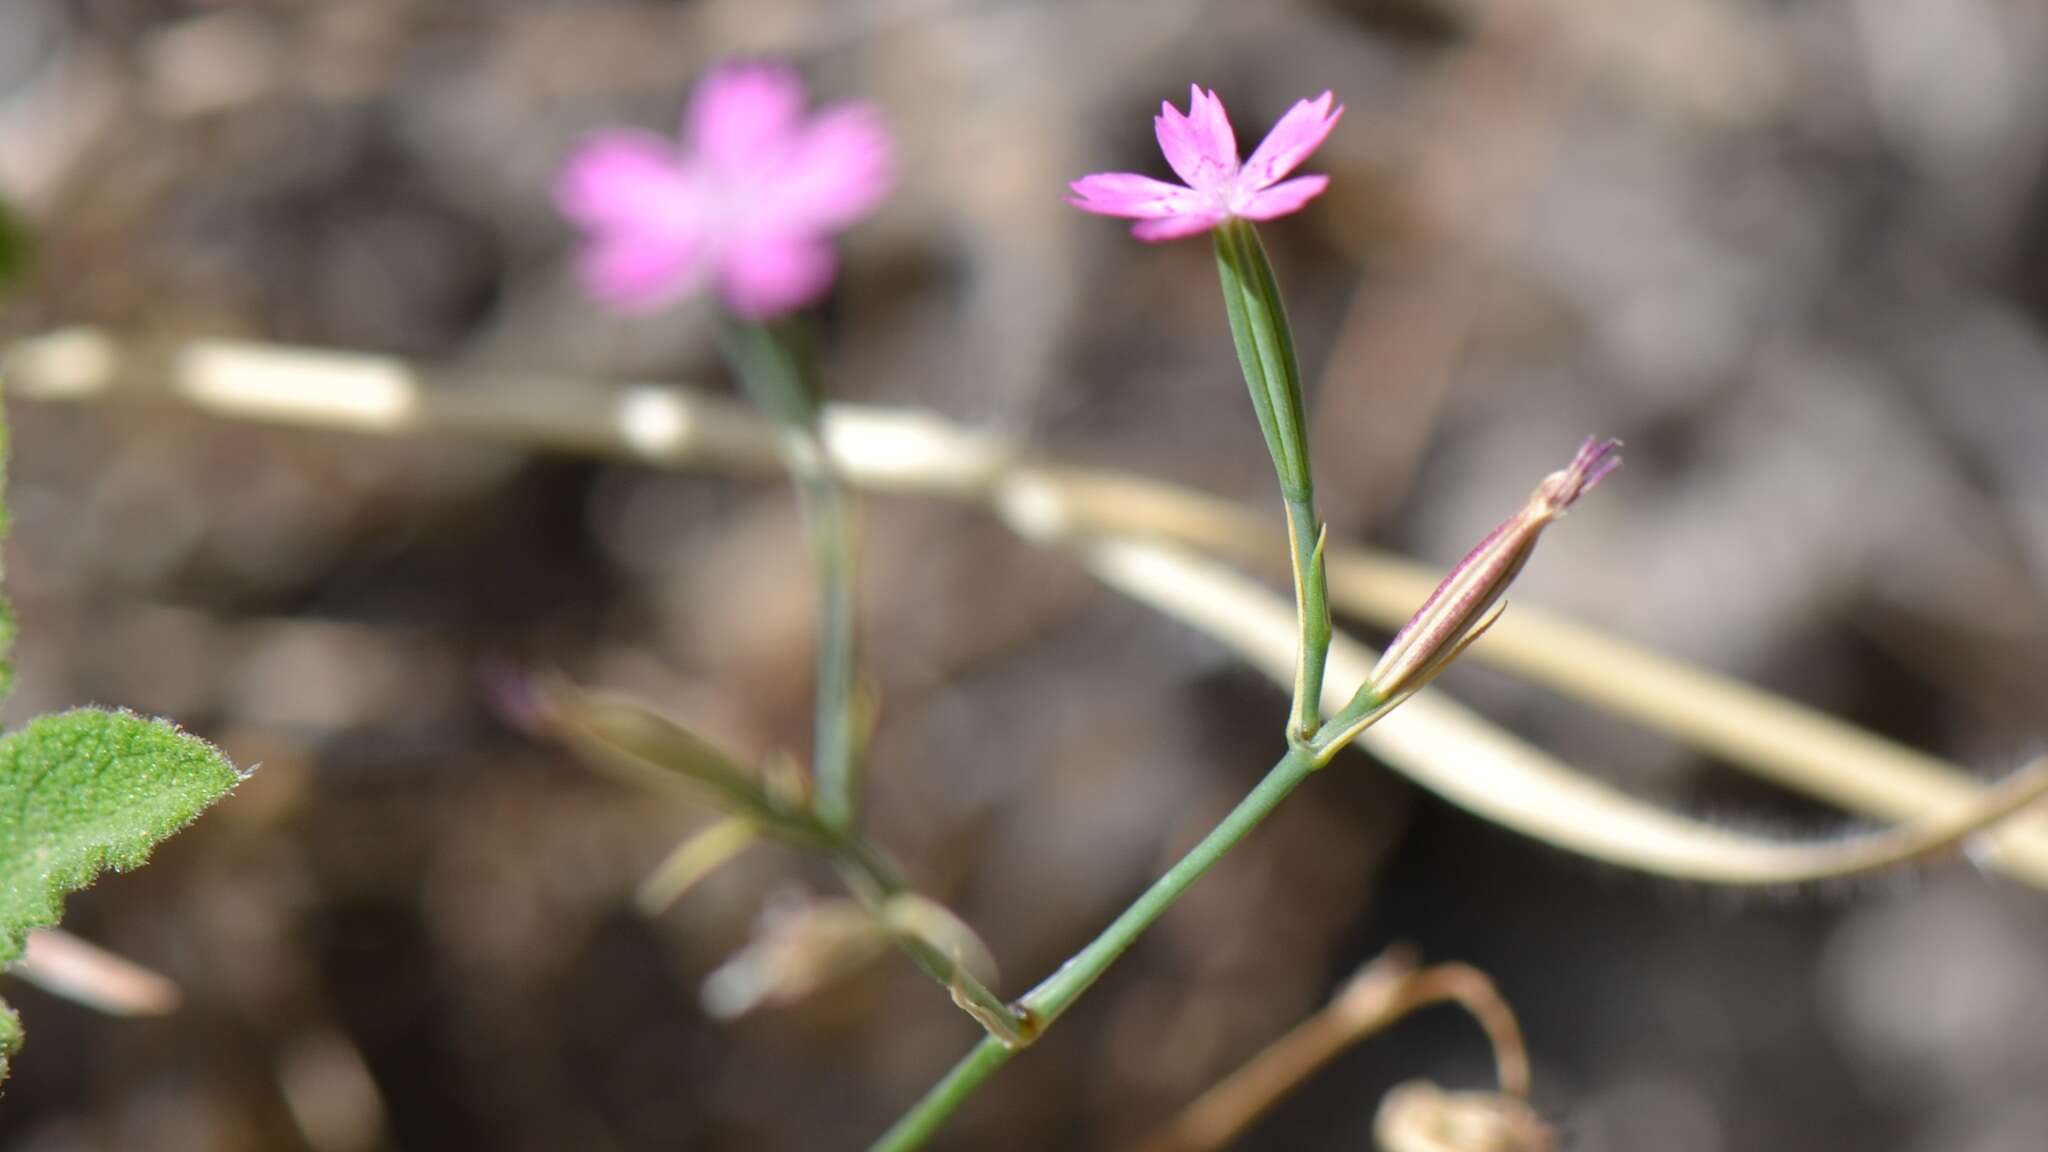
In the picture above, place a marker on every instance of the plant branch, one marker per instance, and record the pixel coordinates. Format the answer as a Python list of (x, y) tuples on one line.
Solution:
[(648, 749), (1044, 1005)]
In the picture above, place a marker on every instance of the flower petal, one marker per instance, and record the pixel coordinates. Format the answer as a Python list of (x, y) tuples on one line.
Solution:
[(1175, 227), (1284, 197), (743, 116), (1133, 196), (770, 275), (842, 166), (1300, 132), (1200, 145), (625, 179), (640, 271)]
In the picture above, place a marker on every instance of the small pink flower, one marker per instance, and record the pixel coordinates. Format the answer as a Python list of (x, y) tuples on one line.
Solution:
[(1203, 151), (747, 200)]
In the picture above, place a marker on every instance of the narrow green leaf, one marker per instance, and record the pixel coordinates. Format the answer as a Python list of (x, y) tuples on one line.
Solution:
[(83, 792), (650, 750)]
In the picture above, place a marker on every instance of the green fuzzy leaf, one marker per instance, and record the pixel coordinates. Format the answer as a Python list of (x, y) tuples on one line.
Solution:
[(6, 614), (82, 792)]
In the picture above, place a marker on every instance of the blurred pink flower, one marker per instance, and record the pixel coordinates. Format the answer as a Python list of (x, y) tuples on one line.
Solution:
[(1203, 151), (747, 200)]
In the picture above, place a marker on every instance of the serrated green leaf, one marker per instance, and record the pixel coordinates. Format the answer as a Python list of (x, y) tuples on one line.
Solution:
[(82, 792)]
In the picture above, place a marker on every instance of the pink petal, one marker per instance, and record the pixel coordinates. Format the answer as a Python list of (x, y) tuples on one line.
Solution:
[(1175, 227), (641, 272), (840, 170), (1284, 197), (624, 179), (744, 115), (1300, 132), (768, 276), (1131, 195), (1593, 461), (1200, 145)]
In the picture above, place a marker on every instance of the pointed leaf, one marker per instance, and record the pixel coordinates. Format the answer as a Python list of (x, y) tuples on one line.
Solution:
[(83, 792)]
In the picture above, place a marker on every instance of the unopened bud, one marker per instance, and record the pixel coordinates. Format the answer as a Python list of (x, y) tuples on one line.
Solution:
[(1463, 605)]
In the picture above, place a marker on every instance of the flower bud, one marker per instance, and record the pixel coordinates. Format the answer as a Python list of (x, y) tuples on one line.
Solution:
[(1465, 604)]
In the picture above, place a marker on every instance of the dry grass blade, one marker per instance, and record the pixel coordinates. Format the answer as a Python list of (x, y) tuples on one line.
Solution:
[(691, 861), (1484, 769), (83, 972), (1766, 735)]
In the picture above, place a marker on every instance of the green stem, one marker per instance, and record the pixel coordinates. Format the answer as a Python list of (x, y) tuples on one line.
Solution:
[(930, 1113), (836, 721), (875, 881), (871, 875), (773, 368), (776, 373), (1047, 1002)]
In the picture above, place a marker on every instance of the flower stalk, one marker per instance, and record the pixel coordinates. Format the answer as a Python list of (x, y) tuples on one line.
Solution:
[(776, 371), (1464, 605)]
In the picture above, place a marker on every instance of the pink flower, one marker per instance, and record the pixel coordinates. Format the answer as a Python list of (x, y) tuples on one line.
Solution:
[(1203, 150), (747, 200)]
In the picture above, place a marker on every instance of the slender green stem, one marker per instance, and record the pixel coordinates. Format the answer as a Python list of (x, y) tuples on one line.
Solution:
[(1051, 998), (867, 870), (1047, 1002), (930, 1113), (772, 366), (776, 373), (836, 724), (874, 880)]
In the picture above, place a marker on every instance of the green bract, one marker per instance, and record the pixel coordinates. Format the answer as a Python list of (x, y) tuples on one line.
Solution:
[(80, 793)]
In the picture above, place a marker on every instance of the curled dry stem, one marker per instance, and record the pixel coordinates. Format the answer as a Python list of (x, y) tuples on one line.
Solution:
[(1380, 994)]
